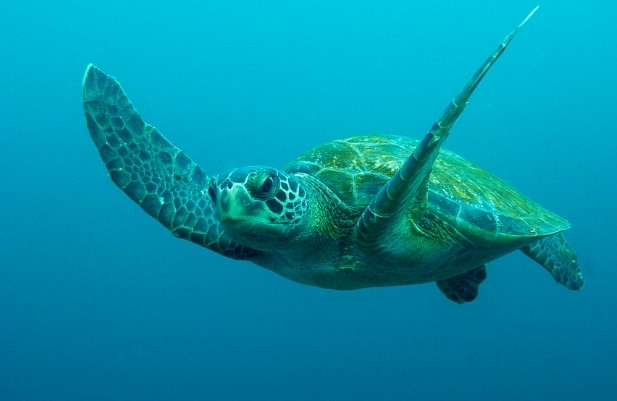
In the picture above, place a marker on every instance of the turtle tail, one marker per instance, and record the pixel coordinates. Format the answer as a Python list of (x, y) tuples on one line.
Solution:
[(558, 258)]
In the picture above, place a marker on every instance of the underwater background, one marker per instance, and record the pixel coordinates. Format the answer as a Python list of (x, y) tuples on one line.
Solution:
[(99, 302)]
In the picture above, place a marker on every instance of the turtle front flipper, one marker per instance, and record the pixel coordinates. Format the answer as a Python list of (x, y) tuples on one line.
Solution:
[(558, 258), (407, 189), (154, 173), (464, 287)]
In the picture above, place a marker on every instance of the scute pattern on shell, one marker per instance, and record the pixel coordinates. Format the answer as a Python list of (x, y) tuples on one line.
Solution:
[(356, 168)]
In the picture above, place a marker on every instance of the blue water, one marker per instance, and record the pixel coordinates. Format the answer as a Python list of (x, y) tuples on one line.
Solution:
[(99, 302)]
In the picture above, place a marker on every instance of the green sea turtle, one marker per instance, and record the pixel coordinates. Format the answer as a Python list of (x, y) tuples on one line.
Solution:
[(361, 212)]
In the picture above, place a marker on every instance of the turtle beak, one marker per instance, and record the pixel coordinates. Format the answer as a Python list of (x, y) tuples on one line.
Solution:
[(236, 209), (243, 218), (231, 202)]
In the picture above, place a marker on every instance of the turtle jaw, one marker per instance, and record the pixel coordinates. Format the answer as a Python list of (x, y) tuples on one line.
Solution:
[(251, 229), (247, 220), (256, 233)]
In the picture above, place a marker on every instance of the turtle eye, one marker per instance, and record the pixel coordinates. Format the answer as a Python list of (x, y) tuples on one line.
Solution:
[(268, 188), (267, 185)]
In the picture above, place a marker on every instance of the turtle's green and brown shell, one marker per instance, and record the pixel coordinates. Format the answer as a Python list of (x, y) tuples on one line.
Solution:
[(355, 169)]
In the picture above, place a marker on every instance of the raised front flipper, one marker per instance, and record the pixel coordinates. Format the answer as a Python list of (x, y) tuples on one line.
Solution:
[(464, 287), (158, 176), (407, 189), (558, 258)]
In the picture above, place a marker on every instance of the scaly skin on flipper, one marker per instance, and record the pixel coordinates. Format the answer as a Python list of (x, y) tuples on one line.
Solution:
[(158, 176), (407, 189), (558, 258)]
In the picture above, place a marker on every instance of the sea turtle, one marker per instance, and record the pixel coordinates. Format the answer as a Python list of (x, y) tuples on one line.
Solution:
[(361, 212)]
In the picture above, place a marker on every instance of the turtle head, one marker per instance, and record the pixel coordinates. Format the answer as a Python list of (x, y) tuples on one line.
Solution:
[(258, 206)]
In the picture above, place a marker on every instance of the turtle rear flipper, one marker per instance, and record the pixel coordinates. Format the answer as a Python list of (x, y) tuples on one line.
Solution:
[(558, 258), (464, 287), (153, 172)]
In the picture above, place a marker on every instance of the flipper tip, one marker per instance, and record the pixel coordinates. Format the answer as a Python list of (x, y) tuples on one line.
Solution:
[(529, 16)]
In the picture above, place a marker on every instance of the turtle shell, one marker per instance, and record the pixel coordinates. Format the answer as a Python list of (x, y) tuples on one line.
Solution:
[(460, 192)]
